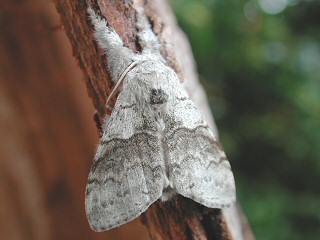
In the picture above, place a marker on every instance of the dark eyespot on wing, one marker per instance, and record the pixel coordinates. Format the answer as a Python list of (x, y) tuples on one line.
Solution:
[(158, 96)]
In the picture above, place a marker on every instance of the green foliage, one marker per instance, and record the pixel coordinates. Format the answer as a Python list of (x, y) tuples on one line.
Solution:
[(260, 64)]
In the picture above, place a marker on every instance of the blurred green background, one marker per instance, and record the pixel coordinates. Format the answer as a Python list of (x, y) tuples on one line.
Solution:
[(259, 62)]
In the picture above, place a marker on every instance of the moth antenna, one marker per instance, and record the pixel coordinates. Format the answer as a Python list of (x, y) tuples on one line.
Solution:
[(119, 83)]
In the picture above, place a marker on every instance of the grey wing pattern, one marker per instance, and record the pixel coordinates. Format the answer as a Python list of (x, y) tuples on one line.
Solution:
[(199, 167), (127, 175)]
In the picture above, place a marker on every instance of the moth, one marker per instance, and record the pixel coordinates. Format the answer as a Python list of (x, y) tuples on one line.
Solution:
[(155, 143)]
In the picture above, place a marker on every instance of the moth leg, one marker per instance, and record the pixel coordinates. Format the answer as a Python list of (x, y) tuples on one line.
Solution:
[(147, 39), (119, 56)]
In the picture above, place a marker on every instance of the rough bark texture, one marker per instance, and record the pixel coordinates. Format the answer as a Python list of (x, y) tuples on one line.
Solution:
[(47, 132)]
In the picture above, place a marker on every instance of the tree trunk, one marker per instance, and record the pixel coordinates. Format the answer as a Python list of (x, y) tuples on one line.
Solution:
[(47, 132)]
